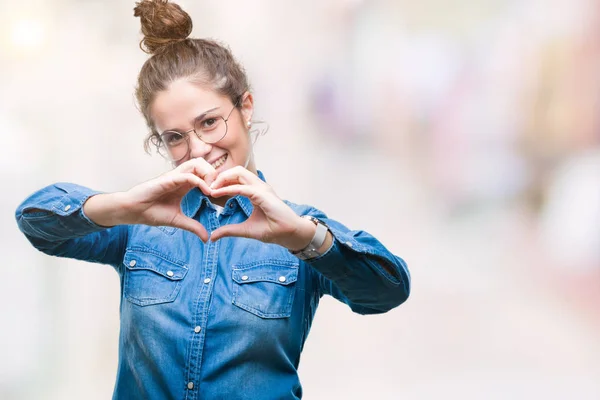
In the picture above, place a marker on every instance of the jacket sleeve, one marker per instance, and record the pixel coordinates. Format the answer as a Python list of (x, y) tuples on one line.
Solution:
[(359, 271), (53, 221)]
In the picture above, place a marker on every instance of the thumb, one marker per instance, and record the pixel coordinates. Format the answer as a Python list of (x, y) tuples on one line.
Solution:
[(237, 230), (191, 225)]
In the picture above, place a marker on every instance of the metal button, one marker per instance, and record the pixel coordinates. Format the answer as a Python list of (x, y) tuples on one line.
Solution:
[(190, 385), (207, 280), (197, 329), (231, 205), (282, 279), (169, 273), (349, 244), (132, 263), (67, 208), (245, 277)]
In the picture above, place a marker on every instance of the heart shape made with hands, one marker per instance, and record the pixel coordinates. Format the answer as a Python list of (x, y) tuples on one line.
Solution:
[(271, 221)]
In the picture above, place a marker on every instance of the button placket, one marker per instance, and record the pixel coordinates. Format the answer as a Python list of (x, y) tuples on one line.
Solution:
[(200, 316)]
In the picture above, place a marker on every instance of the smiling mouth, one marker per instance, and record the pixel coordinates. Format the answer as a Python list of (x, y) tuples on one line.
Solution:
[(219, 162)]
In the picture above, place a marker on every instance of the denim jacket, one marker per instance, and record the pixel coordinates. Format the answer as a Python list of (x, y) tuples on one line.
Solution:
[(221, 320)]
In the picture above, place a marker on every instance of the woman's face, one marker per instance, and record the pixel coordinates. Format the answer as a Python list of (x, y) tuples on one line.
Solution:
[(185, 106)]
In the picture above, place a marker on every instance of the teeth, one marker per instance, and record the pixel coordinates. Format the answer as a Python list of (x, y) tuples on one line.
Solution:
[(219, 162)]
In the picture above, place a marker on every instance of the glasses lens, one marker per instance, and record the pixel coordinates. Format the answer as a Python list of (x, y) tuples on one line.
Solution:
[(173, 146), (211, 129)]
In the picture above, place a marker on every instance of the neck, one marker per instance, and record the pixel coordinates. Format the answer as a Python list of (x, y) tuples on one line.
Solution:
[(251, 166)]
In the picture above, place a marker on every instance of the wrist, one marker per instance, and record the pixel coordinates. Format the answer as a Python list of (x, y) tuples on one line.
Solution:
[(319, 243), (302, 236), (106, 209)]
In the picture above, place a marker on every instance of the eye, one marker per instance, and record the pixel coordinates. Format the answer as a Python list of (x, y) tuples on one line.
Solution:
[(172, 138), (209, 124)]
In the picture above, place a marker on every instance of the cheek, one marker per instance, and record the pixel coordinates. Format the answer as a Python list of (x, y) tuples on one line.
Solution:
[(238, 145)]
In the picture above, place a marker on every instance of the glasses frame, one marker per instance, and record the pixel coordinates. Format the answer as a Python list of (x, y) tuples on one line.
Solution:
[(186, 135)]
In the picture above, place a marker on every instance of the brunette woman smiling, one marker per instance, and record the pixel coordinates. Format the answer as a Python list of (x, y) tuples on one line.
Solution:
[(220, 278)]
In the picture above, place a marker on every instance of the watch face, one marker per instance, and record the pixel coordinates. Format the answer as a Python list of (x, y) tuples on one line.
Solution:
[(315, 220)]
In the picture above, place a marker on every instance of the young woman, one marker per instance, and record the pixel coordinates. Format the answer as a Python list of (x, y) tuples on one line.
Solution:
[(209, 316)]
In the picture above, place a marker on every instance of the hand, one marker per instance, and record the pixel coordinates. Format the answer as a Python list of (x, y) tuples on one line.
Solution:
[(272, 221), (156, 202)]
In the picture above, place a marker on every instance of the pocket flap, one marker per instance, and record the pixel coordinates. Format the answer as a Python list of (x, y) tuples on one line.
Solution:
[(136, 259), (282, 272)]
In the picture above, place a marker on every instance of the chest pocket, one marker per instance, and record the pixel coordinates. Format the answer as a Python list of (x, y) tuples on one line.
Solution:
[(150, 278), (265, 288)]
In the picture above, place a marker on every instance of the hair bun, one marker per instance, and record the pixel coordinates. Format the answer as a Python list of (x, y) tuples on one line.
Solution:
[(162, 23)]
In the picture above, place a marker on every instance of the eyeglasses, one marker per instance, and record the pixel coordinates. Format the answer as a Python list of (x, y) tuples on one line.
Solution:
[(175, 146)]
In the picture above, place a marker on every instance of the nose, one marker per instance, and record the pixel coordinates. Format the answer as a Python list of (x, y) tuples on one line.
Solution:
[(198, 149)]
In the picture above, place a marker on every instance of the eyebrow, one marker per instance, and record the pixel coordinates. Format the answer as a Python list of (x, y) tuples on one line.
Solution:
[(199, 117)]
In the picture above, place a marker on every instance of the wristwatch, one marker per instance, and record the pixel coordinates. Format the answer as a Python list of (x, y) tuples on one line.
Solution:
[(312, 250)]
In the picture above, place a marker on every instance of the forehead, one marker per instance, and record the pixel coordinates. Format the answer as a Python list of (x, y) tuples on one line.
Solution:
[(178, 105)]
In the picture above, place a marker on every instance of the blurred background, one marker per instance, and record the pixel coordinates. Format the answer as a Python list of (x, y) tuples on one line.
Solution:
[(468, 131)]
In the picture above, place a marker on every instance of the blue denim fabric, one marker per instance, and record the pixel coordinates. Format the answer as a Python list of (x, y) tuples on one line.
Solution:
[(222, 320)]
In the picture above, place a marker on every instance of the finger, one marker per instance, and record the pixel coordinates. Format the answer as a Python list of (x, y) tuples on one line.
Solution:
[(223, 181), (234, 190), (204, 187), (176, 181), (199, 167), (181, 179), (191, 225), (210, 177), (234, 176), (236, 230), (195, 164)]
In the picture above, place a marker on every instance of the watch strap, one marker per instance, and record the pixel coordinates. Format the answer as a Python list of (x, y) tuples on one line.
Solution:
[(312, 250)]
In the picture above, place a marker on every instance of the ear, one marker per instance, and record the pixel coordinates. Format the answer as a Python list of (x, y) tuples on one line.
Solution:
[(247, 107)]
